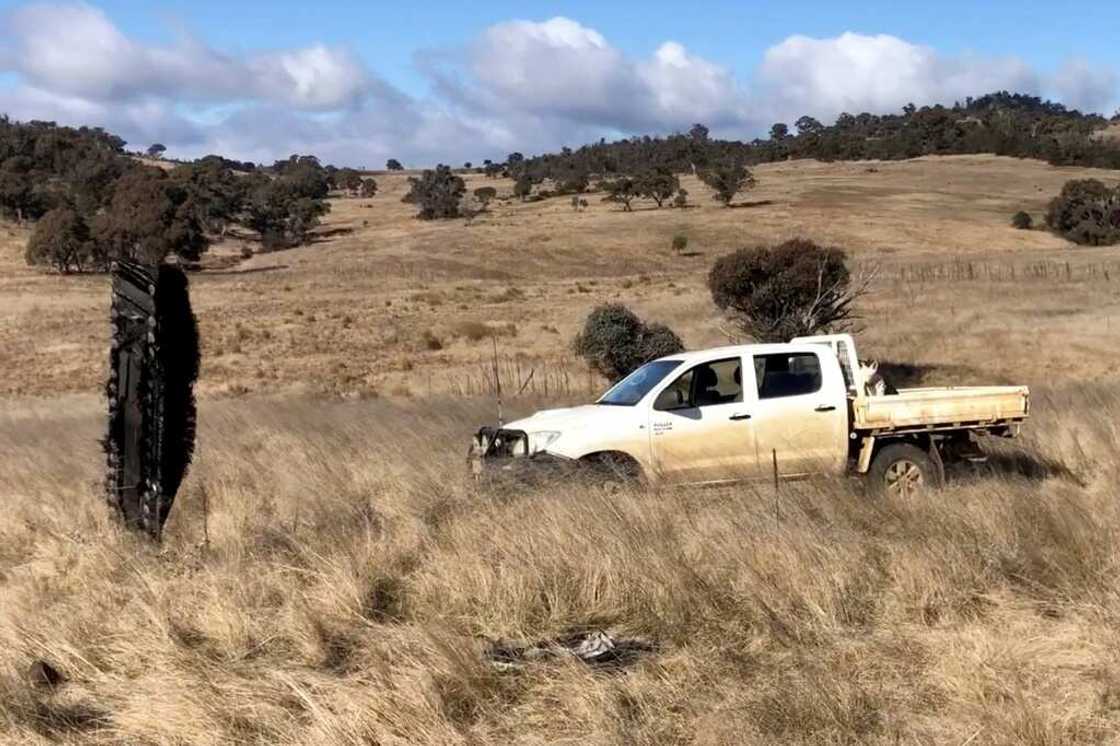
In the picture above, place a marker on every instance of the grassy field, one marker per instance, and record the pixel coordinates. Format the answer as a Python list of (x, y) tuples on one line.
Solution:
[(331, 575)]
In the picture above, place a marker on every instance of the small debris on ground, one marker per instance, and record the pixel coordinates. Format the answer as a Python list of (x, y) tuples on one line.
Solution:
[(598, 648)]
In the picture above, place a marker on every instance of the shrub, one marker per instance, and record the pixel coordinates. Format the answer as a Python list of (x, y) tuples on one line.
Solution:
[(1086, 212), (484, 195), (681, 200), (614, 341), (574, 183), (437, 192), (61, 240), (680, 242), (523, 187), (795, 288), (367, 189), (1021, 220)]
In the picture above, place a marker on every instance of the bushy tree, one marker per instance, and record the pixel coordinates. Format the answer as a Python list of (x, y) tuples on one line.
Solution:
[(485, 195), (348, 180), (148, 219), (523, 187), (438, 193), (796, 288), (806, 125), (622, 190), (574, 182), (657, 184), (779, 131), (367, 189), (726, 180), (614, 341), (60, 239), (156, 150), (282, 212), (1086, 212), (393, 165), (212, 192), (19, 198)]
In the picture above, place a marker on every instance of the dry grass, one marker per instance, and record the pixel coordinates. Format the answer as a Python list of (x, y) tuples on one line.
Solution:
[(330, 575), (352, 575)]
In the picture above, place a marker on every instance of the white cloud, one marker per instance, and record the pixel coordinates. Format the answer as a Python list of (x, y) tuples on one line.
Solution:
[(520, 85), (1087, 87), (75, 49), (855, 73), (561, 69)]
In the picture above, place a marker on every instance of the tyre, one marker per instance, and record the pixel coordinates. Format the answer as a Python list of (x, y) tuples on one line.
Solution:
[(903, 470), (611, 471)]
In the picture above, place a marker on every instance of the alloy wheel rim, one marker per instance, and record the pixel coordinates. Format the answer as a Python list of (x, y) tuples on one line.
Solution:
[(904, 478)]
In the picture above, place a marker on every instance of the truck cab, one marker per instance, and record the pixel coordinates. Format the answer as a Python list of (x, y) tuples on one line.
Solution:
[(727, 413)]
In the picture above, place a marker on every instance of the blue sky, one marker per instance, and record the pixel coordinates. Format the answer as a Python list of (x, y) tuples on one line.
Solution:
[(445, 81)]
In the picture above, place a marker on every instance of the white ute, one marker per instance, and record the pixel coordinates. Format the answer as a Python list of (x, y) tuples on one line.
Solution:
[(732, 413)]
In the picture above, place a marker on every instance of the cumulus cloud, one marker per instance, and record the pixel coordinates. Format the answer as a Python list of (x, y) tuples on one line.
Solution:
[(76, 50), (856, 73), (563, 70), (519, 85), (1087, 87)]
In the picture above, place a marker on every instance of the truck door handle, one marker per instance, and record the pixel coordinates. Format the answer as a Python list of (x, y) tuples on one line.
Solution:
[(739, 417), (825, 408)]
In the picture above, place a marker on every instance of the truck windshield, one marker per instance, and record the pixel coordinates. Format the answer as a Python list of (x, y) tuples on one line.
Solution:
[(630, 390)]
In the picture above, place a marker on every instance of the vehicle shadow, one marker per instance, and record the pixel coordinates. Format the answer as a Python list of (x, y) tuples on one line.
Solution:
[(913, 375), (1032, 466)]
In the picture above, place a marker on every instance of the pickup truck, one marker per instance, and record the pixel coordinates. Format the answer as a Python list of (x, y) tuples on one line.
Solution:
[(759, 411)]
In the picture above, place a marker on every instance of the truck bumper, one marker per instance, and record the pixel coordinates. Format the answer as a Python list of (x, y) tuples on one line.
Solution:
[(498, 455)]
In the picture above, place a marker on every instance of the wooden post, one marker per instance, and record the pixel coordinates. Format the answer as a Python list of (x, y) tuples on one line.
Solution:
[(205, 518), (777, 504)]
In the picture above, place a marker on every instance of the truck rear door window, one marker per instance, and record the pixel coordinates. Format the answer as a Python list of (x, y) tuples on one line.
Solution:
[(787, 374)]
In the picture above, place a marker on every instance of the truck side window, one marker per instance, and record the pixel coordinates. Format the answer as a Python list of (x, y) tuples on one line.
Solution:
[(785, 374), (717, 382)]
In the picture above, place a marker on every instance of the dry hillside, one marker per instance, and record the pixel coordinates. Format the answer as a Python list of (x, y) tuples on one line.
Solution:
[(330, 575)]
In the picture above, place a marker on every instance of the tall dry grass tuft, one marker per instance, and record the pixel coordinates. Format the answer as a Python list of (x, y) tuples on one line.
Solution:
[(353, 577)]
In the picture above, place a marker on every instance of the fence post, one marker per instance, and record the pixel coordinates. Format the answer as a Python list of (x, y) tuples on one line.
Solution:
[(777, 503)]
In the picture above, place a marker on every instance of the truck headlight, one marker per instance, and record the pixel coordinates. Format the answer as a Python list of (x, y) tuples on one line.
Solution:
[(541, 440)]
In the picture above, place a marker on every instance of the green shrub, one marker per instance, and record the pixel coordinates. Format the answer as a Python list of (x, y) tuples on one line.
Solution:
[(774, 293), (437, 192), (1022, 220), (680, 242), (614, 341), (1086, 212)]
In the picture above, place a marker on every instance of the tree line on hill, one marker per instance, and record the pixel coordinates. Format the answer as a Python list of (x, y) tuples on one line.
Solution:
[(1002, 123), (91, 202)]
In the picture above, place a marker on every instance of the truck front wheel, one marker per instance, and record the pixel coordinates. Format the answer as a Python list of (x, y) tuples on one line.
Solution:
[(903, 470)]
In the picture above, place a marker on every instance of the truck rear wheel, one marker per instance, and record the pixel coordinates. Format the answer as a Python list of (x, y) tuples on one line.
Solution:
[(903, 470)]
